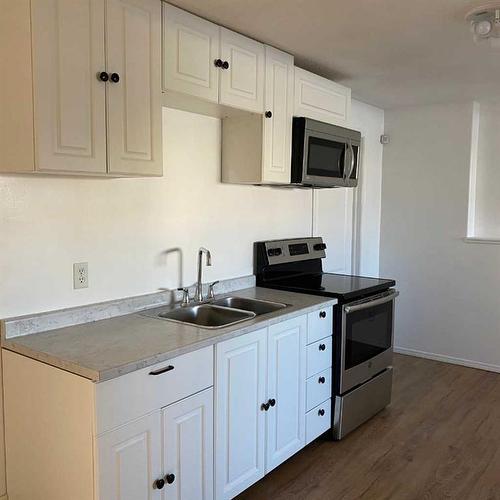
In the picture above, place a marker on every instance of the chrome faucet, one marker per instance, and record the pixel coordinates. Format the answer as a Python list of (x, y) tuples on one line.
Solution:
[(198, 296)]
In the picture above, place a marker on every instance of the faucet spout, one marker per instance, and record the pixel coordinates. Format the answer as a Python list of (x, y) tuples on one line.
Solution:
[(199, 286)]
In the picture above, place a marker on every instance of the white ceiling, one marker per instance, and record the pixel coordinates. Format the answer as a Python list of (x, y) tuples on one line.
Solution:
[(390, 52)]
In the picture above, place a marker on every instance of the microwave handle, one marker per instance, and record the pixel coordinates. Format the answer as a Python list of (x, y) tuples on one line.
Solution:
[(353, 160), (344, 169)]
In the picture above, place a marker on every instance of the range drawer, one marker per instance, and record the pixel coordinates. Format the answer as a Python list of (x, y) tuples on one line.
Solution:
[(319, 356), (135, 394), (318, 420), (319, 324), (318, 388)]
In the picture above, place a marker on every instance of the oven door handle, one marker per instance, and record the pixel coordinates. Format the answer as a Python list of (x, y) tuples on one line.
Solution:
[(371, 303)]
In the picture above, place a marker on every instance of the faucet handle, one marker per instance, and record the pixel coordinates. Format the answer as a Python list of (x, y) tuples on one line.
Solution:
[(211, 294), (185, 295)]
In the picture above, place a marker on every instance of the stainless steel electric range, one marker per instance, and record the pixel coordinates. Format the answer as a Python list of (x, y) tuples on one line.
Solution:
[(363, 324)]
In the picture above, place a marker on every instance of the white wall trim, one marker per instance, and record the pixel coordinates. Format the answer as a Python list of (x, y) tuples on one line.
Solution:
[(448, 359), (482, 241), (474, 148)]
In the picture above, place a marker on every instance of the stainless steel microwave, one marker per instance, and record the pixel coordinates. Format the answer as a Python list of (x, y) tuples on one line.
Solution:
[(324, 155)]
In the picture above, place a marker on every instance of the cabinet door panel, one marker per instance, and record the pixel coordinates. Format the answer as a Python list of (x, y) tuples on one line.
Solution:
[(278, 128), (240, 423), (190, 47), (286, 385), (242, 84), (321, 99), (188, 447), (69, 99), (130, 460), (133, 31)]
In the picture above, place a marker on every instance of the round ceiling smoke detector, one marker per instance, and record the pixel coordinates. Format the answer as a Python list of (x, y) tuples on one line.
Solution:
[(485, 23)]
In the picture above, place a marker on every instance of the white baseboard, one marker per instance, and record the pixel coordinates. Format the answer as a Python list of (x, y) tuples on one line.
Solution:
[(448, 359)]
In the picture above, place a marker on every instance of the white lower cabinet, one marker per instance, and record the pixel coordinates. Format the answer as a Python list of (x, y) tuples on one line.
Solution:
[(130, 460), (260, 403), (166, 455), (188, 448), (240, 385), (286, 388)]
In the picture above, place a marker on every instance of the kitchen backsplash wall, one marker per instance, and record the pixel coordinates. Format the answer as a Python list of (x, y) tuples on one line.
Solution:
[(122, 227)]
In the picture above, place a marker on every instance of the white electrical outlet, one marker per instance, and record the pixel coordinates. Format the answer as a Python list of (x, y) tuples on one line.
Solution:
[(81, 275)]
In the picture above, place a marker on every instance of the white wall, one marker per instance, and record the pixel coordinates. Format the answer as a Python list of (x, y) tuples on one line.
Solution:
[(449, 304), (121, 227)]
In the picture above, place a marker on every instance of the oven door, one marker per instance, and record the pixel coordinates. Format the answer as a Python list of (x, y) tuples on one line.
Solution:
[(327, 159), (367, 339)]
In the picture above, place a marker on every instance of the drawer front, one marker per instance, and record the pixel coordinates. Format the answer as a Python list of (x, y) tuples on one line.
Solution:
[(318, 388), (135, 394), (319, 356), (319, 324), (318, 420)]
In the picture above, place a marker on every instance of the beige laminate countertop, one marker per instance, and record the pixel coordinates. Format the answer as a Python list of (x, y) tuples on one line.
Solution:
[(108, 348)]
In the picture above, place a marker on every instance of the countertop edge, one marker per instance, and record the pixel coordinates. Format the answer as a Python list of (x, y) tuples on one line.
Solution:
[(111, 373)]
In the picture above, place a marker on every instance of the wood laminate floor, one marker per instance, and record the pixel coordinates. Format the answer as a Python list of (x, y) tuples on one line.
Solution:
[(439, 439)]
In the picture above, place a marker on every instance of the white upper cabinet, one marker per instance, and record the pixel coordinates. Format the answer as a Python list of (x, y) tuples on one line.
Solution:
[(134, 88), (69, 99), (92, 70), (242, 77), (190, 49), (286, 390), (277, 139), (321, 99), (204, 60)]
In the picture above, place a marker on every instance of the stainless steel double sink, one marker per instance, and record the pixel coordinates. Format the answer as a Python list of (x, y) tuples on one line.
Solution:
[(221, 312)]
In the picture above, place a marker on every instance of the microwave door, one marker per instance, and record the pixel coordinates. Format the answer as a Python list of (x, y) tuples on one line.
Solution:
[(324, 160)]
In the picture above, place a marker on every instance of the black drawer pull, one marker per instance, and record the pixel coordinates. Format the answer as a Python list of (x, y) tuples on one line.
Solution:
[(321, 412), (165, 369), (322, 347), (322, 314), (321, 380)]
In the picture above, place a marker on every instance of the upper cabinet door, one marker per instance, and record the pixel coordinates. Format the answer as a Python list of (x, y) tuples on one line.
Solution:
[(277, 148), (286, 390), (188, 448), (321, 99), (190, 49), (240, 422), (134, 89), (69, 98), (130, 460), (242, 81)]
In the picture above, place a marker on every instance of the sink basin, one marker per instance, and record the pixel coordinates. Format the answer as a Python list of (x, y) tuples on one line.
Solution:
[(207, 316), (254, 305)]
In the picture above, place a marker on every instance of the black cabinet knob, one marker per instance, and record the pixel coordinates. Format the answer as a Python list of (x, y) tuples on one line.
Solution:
[(264, 406), (322, 347), (321, 380), (272, 402), (218, 63), (225, 65), (115, 77), (170, 478), (159, 484), (322, 314), (268, 114), (103, 76), (321, 412)]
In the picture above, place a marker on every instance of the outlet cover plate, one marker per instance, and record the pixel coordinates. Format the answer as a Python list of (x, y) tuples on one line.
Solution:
[(80, 275)]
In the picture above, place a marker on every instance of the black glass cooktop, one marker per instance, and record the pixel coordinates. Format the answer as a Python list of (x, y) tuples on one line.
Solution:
[(340, 286)]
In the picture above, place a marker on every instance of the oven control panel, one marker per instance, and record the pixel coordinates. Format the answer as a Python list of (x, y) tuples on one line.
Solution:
[(294, 250)]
